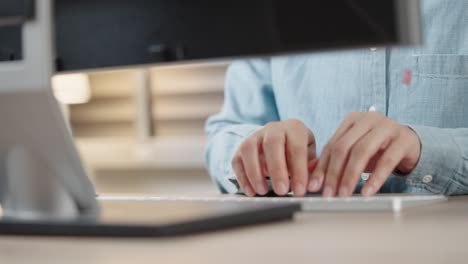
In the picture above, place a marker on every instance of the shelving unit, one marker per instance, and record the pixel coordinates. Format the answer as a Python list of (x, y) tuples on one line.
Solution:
[(161, 145)]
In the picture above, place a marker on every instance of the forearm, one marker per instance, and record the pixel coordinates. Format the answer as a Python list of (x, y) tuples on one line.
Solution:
[(219, 151), (443, 164), (249, 104)]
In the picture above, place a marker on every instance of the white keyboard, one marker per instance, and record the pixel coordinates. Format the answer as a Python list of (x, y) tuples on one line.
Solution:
[(381, 202)]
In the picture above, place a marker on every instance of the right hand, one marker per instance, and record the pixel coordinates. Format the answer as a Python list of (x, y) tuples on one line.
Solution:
[(280, 150)]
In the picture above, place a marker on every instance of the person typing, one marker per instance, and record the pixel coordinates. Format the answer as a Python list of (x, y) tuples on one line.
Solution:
[(317, 122)]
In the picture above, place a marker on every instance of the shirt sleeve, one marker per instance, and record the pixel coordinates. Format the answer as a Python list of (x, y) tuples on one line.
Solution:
[(249, 104), (443, 164)]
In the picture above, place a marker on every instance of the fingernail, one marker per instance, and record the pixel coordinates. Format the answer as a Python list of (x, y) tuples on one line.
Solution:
[(343, 192), (282, 189), (248, 191), (313, 185), (299, 189), (327, 192), (367, 190), (261, 189)]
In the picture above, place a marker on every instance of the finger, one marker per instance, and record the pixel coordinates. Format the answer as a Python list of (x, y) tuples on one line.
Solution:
[(360, 127), (311, 168), (340, 151), (250, 159), (311, 150), (316, 179), (347, 123), (362, 154), (313, 164), (318, 176), (385, 166), (333, 171), (263, 163), (274, 142), (296, 158), (239, 171)]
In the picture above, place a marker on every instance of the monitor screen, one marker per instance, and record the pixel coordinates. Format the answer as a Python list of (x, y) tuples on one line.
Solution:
[(13, 13), (109, 33)]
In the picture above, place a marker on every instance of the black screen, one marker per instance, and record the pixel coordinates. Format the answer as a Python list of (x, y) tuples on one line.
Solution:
[(10, 43), (106, 33), (13, 13)]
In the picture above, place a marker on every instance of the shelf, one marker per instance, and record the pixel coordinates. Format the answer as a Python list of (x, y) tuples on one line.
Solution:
[(168, 153)]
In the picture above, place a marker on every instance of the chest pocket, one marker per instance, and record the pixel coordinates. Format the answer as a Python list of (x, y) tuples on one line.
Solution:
[(441, 66), (439, 92)]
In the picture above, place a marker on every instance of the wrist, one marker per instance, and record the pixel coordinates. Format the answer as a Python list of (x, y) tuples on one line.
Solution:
[(411, 160)]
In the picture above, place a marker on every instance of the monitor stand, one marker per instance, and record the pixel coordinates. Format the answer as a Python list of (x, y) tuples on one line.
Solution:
[(33, 191), (41, 176)]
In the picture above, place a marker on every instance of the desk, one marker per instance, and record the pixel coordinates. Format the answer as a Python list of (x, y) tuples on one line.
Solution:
[(435, 233)]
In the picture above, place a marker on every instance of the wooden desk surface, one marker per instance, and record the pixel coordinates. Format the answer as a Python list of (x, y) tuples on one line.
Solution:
[(435, 233)]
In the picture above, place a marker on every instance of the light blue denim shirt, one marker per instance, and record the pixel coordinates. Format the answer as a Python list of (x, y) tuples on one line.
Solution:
[(425, 88)]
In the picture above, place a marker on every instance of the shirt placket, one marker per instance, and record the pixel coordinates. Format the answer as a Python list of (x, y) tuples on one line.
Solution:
[(375, 97)]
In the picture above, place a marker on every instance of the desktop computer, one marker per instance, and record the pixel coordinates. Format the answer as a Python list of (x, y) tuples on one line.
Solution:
[(43, 186)]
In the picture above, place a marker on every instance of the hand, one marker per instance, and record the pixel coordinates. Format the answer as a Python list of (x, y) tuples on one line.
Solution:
[(364, 142), (280, 150)]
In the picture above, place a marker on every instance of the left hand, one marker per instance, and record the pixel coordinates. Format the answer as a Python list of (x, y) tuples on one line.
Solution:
[(364, 142)]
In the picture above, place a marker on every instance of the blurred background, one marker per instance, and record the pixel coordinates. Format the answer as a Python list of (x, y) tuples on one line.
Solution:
[(141, 131)]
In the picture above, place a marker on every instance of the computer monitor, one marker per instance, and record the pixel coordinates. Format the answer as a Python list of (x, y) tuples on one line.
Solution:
[(113, 33), (41, 175)]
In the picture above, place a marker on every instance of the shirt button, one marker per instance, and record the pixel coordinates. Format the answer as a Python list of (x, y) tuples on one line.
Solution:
[(372, 108), (365, 176), (427, 179), (373, 49)]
